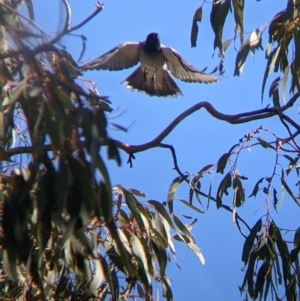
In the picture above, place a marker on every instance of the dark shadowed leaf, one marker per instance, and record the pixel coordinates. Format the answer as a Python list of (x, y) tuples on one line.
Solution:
[(270, 67), (297, 238), (205, 168), (217, 19), (288, 189), (238, 8), (108, 200), (239, 193), (241, 59), (273, 92), (224, 185), (284, 253), (194, 32), (167, 292), (249, 242), (256, 188), (264, 143), (222, 162)]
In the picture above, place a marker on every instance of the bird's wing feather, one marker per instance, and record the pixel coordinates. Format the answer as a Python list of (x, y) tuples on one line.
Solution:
[(121, 57), (181, 69)]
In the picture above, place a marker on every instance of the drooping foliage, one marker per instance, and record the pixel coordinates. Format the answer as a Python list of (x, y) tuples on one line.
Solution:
[(66, 233)]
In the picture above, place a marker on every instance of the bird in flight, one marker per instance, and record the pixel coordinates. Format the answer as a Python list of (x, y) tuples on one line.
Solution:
[(156, 63)]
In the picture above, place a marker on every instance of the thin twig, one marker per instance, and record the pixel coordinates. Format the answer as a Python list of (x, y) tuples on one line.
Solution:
[(184, 178)]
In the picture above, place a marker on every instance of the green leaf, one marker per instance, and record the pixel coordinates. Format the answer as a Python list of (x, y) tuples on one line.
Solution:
[(167, 292), (222, 162), (168, 234), (143, 254), (8, 103), (239, 193), (88, 208), (273, 92), (122, 243), (132, 204), (287, 188), (238, 7), (249, 242), (272, 59), (182, 228), (197, 251), (171, 192), (106, 204), (256, 187), (161, 256), (284, 82), (241, 59), (218, 16), (284, 253), (111, 278), (191, 206), (162, 211), (137, 192), (64, 98), (297, 239), (205, 168), (224, 185), (264, 143), (98, 275), (194, 32)]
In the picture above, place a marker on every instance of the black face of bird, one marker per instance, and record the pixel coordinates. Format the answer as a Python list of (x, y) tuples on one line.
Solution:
[(152, 41)]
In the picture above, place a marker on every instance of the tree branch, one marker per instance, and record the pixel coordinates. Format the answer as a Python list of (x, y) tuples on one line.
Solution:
[(233, 119)]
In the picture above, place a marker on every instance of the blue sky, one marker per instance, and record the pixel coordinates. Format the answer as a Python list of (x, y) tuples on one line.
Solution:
[(199, 139)]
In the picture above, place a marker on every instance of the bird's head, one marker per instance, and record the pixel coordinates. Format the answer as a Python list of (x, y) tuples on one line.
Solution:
[(152, 41)]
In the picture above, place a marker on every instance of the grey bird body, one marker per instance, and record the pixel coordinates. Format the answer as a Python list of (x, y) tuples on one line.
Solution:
[(152, 75)]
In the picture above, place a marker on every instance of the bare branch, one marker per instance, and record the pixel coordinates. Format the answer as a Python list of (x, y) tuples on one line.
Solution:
[(233, 119)]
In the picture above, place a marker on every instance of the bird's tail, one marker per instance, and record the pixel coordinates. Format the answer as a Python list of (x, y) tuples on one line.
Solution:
[(161, 85)]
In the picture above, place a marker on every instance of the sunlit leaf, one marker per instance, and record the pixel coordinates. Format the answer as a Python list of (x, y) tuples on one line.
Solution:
[(182, 228), (255, 40), (161, 256), (171, 193), (191, 206), (162, 211)]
